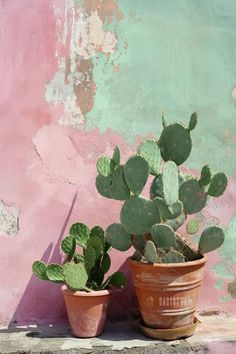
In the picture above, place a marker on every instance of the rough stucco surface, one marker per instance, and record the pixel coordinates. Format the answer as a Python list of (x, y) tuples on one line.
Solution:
[(80, 77)]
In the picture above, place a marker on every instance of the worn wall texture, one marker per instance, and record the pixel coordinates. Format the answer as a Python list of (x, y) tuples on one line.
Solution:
[(78, 78)]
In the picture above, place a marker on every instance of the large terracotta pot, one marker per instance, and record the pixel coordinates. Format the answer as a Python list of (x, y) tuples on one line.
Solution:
[(167, 294), (86, 311)]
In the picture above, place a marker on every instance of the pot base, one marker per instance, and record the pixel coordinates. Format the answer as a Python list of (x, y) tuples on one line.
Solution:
[(170, 334)]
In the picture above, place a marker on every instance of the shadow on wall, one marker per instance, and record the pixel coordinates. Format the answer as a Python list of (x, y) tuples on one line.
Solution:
[(41, 299), (44, 301)]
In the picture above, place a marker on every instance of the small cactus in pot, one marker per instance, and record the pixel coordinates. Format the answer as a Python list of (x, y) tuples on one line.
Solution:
[(150, 225), (83, 271), (84, 277)]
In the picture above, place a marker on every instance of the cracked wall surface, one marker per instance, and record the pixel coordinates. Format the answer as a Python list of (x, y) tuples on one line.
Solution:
[(80, 77)]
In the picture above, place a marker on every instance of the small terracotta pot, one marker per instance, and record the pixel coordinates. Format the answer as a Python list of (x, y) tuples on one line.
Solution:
[(167, 293), (87, 312)]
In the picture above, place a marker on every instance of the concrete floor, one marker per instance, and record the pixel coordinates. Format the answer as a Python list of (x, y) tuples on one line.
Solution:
[(215, 334)]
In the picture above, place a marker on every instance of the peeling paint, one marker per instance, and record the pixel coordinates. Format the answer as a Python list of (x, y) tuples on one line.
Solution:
[(83, 36), (9, 219)]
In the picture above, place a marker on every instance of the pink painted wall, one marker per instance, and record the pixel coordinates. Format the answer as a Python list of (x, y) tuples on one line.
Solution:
[(49, 148)]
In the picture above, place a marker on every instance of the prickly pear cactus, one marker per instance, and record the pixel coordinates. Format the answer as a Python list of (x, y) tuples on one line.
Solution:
[(150, 225), (82, 271)]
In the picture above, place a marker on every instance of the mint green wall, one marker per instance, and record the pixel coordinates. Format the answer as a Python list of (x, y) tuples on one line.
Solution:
[(180, 57)]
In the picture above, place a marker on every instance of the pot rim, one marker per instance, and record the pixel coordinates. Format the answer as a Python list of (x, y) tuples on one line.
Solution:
[(92, 293), (200, 261)]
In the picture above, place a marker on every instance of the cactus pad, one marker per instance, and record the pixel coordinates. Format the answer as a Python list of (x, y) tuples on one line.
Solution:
[(97, 231), (163, 209), (76, 276), (105, 166), (118, 188), (156, 189), (163, 236), (193, 196), (175, 143), (136, 171), (78, 258), (205, 176), (55, 273), (150, 252), (68, 245), (118, 238), (177, 222), (150, 151), (39, 269), (170, 179), (193, 121), (175, 209), (90, 257), (173, 257), (218, 185), (211, 238), (138, 215), (103, 185), (192, 226), (106, 263), (81, 233), (118, 280), (97, 245), (116, 156)]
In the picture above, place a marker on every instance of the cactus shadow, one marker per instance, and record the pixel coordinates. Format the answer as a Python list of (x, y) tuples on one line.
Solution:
[(43, 299)]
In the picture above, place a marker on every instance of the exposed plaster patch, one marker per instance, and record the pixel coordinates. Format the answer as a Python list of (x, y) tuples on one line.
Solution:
[(81, 36), (233, 93), (9, 219)]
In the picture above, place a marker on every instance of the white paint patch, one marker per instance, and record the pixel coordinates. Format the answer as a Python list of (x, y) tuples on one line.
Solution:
[(9, 219), (84, 37)]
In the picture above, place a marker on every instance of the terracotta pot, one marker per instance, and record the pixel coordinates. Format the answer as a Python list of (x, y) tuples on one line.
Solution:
[(167, 293), (87, 312)]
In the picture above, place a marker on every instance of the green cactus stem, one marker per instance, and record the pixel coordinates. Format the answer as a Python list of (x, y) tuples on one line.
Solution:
[(211, 238), (150, 151), (150, 252), (90, 257), (205, 176), (76, 276), (163, 236), (39, 269), (162, 207), (105, 166), (192, 226), (103, 185), (68, 246), (193, 121), (175, 143), (55, 273), (118, 238), (137, 256), (173, 257), (170, 179), (218, 185), (118, 189), (116, 156), (78, 258), (138, 215), (81, 233), (193, 196), (136, 171)]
